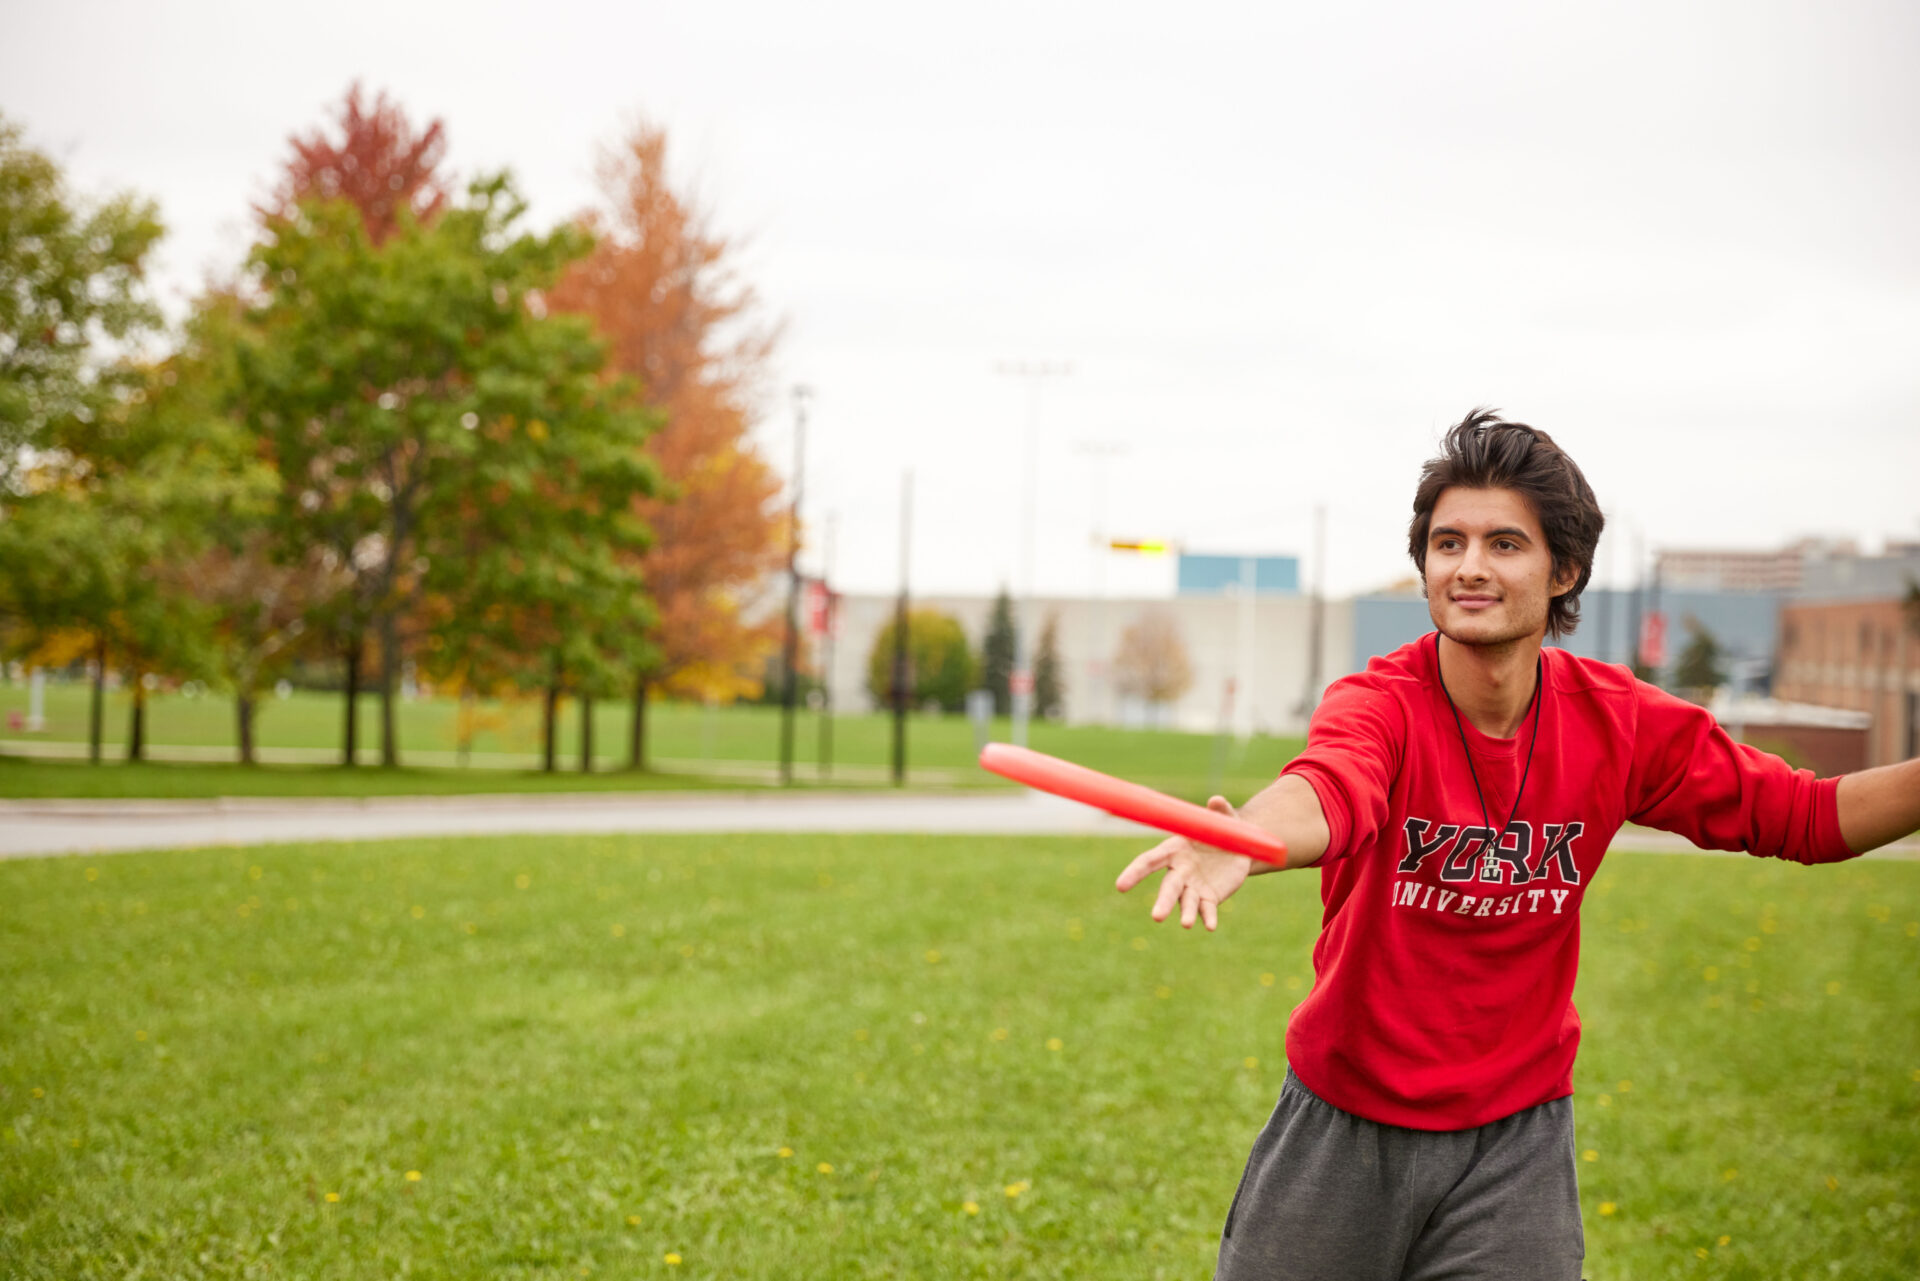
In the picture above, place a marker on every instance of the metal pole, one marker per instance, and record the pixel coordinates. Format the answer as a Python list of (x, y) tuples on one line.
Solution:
[(1035, 374), (826, 654), (1316, 610), (902, 676), (792, 651)]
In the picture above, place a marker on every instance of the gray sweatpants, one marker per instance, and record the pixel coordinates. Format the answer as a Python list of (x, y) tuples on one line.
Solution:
[(1329, 1196)]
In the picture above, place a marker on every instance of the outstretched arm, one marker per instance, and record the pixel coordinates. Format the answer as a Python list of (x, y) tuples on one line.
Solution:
[(1879, 805), (1200, 878)]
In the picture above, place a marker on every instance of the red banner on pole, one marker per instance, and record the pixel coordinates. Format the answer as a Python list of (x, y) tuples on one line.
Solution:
[(1653, 640)]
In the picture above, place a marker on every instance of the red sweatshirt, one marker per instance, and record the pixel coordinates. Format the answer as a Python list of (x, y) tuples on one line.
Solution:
[(1443, 995)]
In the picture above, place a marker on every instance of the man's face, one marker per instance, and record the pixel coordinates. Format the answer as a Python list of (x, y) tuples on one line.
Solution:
[(1489, 573)]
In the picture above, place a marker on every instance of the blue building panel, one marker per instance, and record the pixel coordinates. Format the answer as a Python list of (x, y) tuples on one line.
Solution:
[(1214, 575)]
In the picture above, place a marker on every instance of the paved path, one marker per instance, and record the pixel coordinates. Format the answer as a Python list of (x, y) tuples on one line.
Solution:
[(29, 828)]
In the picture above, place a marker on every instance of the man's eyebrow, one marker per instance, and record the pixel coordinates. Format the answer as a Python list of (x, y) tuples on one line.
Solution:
[(1505, 531)]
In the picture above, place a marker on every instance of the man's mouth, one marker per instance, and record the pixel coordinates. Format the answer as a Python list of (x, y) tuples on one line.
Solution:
[(1476, 602)]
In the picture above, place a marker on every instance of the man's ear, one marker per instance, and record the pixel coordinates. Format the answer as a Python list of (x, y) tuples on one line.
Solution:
[(1562, 583)]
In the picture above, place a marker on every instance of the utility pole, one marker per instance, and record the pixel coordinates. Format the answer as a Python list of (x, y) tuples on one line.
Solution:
[(826, 652), (902, 674), (1035, 374), (800, 395)]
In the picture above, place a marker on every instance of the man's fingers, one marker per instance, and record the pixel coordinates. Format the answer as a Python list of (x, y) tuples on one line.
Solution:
[(1189, 905), (1145, 865), (1210, 914), (1221, 805), (1171, 886)]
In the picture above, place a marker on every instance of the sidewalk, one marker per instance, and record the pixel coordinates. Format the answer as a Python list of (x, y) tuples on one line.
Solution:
[(30, 828)]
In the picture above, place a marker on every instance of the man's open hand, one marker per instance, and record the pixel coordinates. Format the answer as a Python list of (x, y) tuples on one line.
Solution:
[(1198, 877)]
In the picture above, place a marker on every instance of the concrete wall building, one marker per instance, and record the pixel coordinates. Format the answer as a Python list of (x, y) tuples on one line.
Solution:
[(1264, 648), (1863, 655)]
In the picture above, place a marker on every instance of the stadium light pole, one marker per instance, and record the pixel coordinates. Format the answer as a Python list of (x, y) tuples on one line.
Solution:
[(1100, 452), (1035, 374)]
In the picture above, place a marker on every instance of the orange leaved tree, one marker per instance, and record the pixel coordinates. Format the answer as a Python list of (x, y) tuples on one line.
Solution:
[(662, 288)]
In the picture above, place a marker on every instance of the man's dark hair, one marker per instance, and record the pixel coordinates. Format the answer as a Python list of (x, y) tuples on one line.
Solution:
[(1484, 451)]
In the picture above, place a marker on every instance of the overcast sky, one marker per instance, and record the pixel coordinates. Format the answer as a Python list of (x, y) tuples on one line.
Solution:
[(1281, 246)]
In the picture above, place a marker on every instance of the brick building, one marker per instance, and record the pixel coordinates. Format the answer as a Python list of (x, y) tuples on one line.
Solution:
[(1858, 654)]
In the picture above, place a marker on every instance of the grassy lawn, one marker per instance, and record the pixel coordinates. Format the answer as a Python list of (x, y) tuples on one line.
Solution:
[(688, 741), (868, 1057)]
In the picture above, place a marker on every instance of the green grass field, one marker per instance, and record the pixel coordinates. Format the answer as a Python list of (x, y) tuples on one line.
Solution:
[(731, 746), (867, 1057)]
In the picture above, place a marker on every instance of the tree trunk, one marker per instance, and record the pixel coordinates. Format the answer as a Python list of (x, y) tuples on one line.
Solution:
[(96, 716), (349, 753), (389, 673), (137, 728), (586, 734), (243, 710), (551, 715), (637, 743)]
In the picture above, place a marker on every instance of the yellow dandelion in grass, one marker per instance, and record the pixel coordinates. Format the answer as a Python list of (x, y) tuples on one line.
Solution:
[(1915, 1074), (75, 1143), (933, 956), (1913, 929), (633, 1220), (416, 911), (1752, 944), (1590, 1155), (672, 1259), (1833, 988), (1833, 1184), (1605, 1100), (1139, 944), (825, 1167), (1250, 1063), (1724, 1242), (1729, 1174), (971, 1207), (1001, 1034), (254, 874), (1266, 980), (1608, 1207), (1055, 1043), (785, 1153), (1711, 973), (1293, 982), (140, 1035), (1163, 991), (39, 1093), (1623, 1087), (686, 949), (1701, 1252), (1013, 1190), (332, 1197), (859, 1034), (93, 874), (471, 928), (618, 931), (413, 1176), (521, 881)]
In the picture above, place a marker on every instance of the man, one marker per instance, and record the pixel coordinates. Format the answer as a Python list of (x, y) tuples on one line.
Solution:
[(1457, 797)]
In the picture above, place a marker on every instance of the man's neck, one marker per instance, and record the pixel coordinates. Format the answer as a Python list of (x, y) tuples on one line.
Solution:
[(1491, 685)]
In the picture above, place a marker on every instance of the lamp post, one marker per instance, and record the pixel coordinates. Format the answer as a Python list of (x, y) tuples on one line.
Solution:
[(792, 652)]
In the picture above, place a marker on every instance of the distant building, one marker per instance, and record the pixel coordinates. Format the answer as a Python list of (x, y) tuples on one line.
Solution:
[(1863, 655), (1781, 570)]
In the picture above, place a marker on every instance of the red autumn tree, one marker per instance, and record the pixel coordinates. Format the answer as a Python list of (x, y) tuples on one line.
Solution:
[(379, 163), (662, 288)]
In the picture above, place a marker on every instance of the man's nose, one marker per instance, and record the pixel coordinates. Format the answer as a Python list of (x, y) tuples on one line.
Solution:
[(1473, 564)]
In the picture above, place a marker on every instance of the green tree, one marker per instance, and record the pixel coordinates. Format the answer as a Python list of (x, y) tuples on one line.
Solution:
[(1049, 684), (71, 278), (997, 653), (1701, 666), (937, 652), (438, 435)]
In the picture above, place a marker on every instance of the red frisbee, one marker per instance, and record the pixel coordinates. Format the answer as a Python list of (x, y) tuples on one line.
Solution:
[(1132, 801)]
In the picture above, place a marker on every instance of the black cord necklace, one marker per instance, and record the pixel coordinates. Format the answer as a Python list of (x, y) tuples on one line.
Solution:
[(1489, 859)]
